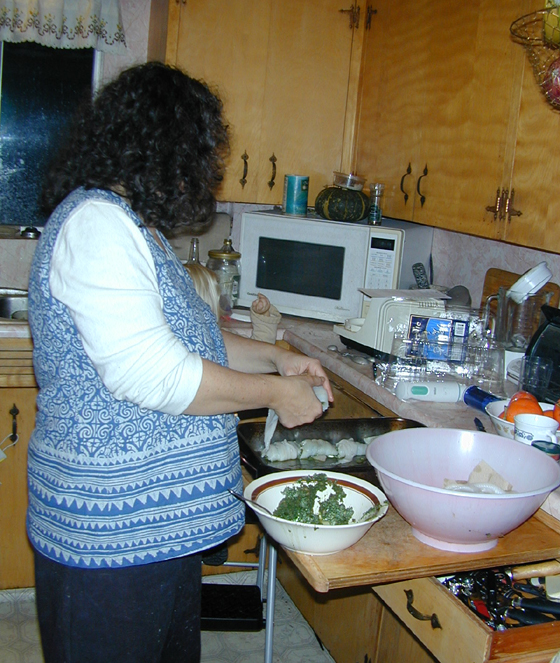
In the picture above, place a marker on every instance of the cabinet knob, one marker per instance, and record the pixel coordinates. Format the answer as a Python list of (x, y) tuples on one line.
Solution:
[(433, 618)]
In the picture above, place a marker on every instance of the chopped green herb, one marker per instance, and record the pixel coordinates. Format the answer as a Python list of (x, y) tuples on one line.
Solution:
[(303, 504)]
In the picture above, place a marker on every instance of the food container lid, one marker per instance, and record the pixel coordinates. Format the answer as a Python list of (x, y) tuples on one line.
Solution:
[(226, 252), (530, 283)]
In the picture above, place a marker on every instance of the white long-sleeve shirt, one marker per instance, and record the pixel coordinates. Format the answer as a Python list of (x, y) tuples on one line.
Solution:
[(103, 271)]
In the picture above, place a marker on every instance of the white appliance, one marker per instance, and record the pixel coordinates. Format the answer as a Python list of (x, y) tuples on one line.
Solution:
[(387, 316), (314, 268)]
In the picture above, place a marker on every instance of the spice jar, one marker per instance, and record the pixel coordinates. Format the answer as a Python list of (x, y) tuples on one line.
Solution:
[(224, 263)]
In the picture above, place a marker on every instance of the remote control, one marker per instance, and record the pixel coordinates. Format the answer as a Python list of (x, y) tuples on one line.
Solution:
[(420, 275)]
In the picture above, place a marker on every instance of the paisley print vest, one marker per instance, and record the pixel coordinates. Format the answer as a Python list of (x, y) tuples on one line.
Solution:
[(110, 483)]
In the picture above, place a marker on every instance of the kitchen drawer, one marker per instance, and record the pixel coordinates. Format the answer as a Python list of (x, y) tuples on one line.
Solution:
[(455, 635)]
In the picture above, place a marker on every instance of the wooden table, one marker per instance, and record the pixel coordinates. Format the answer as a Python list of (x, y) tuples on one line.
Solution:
[(389, 552)]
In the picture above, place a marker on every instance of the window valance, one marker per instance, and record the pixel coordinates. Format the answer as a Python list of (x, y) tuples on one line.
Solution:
[(64, 23)]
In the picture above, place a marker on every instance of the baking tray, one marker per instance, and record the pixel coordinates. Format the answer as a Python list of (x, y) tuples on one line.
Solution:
[(251, 444)]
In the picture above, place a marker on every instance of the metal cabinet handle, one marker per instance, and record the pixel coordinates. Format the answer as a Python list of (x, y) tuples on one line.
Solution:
[(354, 12), (497, 205), (370, 11), (422, 197), (271, 182), (243, 180), (408, 172), (508, 210), (433, 618), (14, 412)]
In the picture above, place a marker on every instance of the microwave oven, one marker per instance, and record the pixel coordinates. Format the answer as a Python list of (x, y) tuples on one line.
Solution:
[(314, 268)]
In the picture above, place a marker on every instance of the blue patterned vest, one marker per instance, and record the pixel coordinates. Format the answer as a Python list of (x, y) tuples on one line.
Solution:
[(112, 484)]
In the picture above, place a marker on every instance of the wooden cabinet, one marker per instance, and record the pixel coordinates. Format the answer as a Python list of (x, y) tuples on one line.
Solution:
[(353, 624), (461, 636), (18, 391), (287, 73), (438, 106), (534, 167)]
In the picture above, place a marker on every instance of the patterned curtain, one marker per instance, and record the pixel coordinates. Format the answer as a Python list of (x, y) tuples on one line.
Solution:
[(64, 23)]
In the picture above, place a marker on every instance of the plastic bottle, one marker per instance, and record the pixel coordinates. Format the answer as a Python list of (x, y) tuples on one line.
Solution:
[(478, 398)]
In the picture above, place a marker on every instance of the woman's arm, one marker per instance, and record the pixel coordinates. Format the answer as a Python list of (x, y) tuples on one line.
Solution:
[(226, 390), (250, 356)]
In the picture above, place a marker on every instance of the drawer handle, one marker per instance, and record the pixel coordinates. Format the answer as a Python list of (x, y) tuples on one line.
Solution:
[(433, 618)]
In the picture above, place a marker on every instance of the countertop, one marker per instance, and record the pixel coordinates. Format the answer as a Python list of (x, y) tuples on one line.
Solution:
[(313, 337)]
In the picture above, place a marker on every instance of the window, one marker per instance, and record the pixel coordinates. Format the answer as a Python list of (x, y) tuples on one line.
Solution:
[(40, 88)]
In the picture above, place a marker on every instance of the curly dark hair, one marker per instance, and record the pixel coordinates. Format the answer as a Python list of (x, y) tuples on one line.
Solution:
[(155, 133)]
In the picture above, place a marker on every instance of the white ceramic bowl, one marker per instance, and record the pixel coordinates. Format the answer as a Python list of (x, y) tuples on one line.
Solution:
[(413, 464), (503, 427), (308, 538)]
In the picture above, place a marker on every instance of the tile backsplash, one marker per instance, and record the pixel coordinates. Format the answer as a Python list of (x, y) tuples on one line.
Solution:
[(15, 262)]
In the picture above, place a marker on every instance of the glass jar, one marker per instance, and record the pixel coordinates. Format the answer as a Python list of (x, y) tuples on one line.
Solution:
[(224, 263), (375, 197)]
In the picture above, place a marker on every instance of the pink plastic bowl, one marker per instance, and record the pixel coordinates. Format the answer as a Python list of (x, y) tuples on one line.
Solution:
[(413, 464)]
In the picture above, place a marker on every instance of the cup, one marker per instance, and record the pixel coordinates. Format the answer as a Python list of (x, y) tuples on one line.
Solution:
[(551, 449), (534, 375), (484, 366), (531, 428)]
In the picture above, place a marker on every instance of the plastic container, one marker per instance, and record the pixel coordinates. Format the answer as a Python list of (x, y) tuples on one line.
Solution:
[(478, 398), (348, 181), (224, 262)]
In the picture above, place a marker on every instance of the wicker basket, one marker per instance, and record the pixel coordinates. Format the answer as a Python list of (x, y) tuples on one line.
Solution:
[(539, 34)]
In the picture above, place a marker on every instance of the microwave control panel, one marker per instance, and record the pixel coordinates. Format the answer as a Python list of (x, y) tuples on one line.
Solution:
[(383, 262)]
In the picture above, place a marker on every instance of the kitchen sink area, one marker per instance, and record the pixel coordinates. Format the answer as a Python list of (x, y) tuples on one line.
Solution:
[(13, 304)]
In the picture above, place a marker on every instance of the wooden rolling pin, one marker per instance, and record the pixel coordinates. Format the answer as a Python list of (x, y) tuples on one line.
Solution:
[(536, 570)]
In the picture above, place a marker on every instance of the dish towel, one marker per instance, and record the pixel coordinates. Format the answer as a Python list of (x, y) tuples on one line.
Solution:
[(272, 418)]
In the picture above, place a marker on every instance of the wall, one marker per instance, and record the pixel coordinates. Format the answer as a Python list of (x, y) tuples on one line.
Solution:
[(458, 259)]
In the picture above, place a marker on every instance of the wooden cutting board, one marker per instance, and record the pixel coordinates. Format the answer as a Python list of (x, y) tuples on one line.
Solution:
[(496, 278)]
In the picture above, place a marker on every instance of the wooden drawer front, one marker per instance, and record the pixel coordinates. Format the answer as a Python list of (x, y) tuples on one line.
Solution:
[(462, 637)]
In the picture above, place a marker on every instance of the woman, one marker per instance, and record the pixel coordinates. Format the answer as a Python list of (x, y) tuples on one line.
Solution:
[(135, 446)]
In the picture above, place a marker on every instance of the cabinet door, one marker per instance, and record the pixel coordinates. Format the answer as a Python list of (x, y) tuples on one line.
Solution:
[(535, 169), (392, 104), (445, 103), (225, 43), (282, 69), (16, 555), (307, 77)]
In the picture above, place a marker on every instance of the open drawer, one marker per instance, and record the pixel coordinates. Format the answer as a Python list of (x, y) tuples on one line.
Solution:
[(454, 634)]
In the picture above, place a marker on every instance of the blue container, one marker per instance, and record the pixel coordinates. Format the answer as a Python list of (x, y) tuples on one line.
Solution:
[(478, 398), (296, 188)]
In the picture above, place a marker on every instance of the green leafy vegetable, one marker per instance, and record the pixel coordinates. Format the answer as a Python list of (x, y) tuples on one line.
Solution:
[(302, 502)]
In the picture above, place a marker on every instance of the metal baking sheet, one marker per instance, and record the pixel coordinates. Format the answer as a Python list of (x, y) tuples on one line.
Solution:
[(251, 444)]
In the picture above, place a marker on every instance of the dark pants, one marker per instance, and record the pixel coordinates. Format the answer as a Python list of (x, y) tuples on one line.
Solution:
[(135, 614)]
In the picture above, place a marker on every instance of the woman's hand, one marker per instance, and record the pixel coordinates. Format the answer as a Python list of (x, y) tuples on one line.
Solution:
[(291, 363), (295, 402)]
